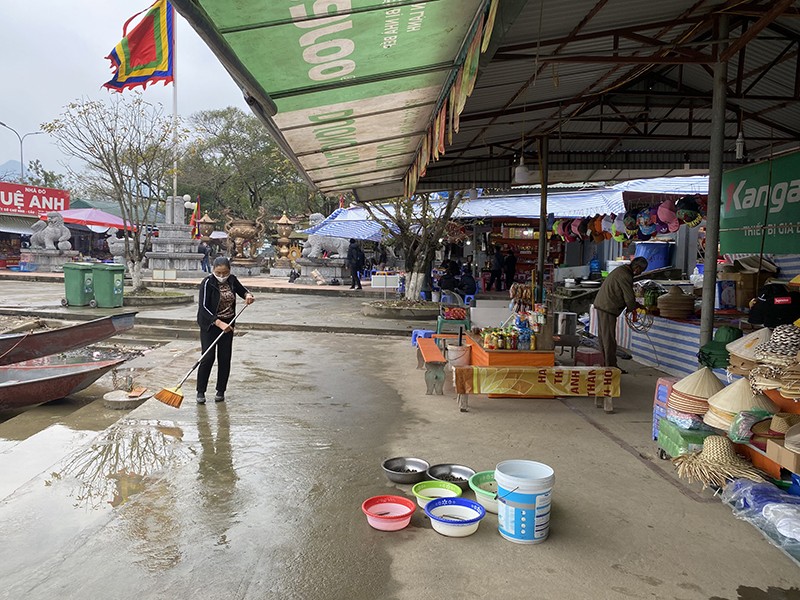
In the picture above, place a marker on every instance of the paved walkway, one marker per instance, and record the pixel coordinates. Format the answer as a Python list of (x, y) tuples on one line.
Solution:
[(260, 497)]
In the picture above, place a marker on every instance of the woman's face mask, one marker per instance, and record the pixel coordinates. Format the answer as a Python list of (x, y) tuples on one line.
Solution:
[(221, 275)]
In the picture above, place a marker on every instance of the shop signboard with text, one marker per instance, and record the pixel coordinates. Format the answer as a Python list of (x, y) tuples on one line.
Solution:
[(761, 202), (31, 200)]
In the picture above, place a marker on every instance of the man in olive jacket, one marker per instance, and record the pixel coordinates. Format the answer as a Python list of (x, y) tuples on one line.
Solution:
[(615, 295)]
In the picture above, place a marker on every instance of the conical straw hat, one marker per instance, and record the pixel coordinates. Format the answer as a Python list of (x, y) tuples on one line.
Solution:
[(745, 347), (700, 384), (738, 397)]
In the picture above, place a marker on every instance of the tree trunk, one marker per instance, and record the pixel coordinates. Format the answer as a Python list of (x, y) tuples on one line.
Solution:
[(418, 279), (135, 269)]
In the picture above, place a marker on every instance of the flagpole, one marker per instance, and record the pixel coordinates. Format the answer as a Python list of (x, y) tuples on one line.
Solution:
[(175, 106)]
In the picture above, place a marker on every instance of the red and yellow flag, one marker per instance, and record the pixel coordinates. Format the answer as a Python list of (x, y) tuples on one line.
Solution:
[(146, 52)]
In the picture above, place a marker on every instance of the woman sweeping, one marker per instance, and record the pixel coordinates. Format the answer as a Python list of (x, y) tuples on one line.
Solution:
[(217, 307)]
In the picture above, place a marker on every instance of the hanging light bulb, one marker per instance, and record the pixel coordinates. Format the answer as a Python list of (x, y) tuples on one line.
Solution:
[(740, 146)]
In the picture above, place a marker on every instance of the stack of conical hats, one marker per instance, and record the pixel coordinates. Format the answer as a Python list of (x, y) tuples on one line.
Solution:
[(691, 394), (742, 352), (675, 304), (730, 401)]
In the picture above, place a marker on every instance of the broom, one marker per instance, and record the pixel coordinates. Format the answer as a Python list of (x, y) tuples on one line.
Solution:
[(174, 396)]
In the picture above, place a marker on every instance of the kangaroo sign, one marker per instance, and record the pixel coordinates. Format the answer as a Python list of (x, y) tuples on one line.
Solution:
[(762, 201)]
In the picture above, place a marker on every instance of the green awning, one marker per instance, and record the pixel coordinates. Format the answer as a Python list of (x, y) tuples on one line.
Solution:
[(356, 92)]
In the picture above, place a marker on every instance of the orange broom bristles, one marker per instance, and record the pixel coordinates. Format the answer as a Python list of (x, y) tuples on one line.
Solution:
[(170, 396)]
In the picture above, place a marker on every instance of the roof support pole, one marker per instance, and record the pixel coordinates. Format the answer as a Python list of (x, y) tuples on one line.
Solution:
[(543, 159), (718, 101)]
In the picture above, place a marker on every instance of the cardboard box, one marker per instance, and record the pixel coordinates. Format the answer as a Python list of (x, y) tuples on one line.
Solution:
[(786, 458), (746, 284)]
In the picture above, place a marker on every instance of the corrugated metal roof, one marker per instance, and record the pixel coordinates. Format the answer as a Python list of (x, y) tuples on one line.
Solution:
[(552, 68)]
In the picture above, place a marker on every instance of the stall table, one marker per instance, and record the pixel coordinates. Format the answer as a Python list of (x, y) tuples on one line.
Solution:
[(481, 357)]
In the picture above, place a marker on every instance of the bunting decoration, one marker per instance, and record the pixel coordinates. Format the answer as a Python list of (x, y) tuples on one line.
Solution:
[(446, 121), (146, 52)]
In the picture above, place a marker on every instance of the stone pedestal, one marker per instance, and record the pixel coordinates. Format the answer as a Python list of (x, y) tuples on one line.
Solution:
[(245, 268), (47, 261), (328, 268), (280, 272), (174, 248)]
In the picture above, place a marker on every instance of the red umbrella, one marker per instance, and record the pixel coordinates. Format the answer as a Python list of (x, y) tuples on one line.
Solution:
[(93, 217)]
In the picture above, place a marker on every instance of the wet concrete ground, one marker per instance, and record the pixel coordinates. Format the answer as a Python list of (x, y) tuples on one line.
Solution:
[(260, 497)]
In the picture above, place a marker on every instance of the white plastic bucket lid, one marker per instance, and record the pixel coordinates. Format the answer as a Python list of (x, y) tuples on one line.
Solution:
[(524, 475)]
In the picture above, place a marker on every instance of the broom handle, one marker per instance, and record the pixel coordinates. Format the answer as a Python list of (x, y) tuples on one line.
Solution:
[(210, 348)]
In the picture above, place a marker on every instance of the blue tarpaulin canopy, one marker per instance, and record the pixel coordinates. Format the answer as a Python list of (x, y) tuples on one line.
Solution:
[(357, 223)]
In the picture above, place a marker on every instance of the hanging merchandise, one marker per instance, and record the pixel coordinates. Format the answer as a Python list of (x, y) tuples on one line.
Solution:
[(688, 211)]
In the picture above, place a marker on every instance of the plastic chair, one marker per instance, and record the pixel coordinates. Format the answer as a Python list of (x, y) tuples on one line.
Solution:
[(420, 333)]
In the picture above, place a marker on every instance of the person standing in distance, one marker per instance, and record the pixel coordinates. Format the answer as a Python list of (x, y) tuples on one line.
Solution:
[(510, 267), (216, 309), (497, 270), (615, 295), (205, 250), (356, 261)]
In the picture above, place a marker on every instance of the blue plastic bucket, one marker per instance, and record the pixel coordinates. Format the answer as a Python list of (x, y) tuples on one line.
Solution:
[(524, 490), (658, 254)]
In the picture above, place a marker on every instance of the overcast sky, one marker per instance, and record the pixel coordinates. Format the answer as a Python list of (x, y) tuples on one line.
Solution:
[(53, 52)]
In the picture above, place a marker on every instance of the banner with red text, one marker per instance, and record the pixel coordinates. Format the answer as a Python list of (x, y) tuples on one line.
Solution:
[(31, 200)]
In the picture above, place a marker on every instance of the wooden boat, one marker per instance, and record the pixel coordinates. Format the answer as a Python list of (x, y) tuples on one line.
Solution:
[(18, 347), (24, 385)]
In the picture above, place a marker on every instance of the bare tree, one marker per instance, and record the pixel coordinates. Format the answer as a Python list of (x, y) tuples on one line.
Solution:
[(418, 226), (125, 145)]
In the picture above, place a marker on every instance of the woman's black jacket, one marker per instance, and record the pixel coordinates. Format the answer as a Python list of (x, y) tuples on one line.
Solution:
[(208, 301)]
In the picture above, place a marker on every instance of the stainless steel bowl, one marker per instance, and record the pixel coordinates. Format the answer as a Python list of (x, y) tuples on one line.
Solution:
[(458, 474), (403, 469)]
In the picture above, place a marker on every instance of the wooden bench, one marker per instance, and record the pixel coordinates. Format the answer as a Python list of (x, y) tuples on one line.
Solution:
[(548, 382), (431, 358)]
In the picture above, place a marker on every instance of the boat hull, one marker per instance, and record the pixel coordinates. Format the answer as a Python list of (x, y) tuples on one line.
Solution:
[(28, 385), (20, 347)]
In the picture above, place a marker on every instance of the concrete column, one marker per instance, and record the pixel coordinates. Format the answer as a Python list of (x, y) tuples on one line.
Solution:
[(718, 101), (543, 157)]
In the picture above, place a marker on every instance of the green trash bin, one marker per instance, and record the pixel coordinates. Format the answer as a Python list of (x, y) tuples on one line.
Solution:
[(78, 285), (109, 280)]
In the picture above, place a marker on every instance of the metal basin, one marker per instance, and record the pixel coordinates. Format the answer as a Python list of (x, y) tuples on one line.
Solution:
[(403, 469), (458, 474)]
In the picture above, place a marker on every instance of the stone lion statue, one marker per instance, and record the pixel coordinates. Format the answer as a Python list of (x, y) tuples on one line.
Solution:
[(116, 246), (334, 246), (317, 244), (51, 235)]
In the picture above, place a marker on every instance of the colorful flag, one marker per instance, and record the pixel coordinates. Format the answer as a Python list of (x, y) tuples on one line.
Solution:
[(146, 52), (195, 220)]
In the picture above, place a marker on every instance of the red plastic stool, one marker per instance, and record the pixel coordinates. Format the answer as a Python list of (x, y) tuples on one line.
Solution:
[(588, 357)]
